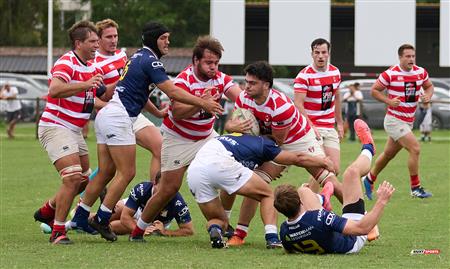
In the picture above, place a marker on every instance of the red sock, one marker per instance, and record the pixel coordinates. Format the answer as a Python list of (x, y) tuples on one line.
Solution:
[(137, 232), (58, 229), (372, 178), (48, 211), (241, 233), (415, 181)]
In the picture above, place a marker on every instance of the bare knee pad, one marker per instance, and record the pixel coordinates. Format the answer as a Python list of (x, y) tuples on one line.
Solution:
[(265, 176), (70, 171), (86, 174), (322, 176)]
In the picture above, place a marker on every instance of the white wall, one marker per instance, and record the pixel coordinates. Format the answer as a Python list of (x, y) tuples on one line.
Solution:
[(293, 25), (227, 24), (380, 28)]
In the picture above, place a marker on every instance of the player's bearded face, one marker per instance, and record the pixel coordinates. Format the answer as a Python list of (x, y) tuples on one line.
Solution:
[(208, 65), (408, 59), (108, 41), (255, 87), (320, 55), (163, 43)]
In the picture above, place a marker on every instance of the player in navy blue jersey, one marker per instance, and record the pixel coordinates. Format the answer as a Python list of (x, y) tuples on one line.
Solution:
[(227, 163), (116, 142), (312, 229), (129, 210)]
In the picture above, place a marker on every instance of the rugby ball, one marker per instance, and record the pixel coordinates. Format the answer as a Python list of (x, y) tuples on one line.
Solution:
[(245, 114), (45, 228)]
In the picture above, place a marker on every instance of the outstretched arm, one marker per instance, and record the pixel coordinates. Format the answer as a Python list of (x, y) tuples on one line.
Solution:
[(366, 224), (303, 160), (184, 229), (127, 218), (179, 94)]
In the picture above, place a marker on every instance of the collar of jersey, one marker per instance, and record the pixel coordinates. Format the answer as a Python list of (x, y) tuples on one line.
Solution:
[(296, 220), (145, 47)]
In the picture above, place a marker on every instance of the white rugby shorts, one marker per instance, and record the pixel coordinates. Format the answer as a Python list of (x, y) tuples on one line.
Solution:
[(215, 168), (113, 126)]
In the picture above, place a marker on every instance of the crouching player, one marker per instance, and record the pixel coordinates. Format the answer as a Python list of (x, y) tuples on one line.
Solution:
[(128, 212), (312, 229), (226, 163)]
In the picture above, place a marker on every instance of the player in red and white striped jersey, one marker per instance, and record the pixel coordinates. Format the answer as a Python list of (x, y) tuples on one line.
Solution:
[(198, 125), (187, 128), (316, 95), (403, 83), (277, 116), (72, 88)]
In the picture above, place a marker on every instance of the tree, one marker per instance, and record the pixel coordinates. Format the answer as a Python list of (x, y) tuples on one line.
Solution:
[(24, 22), (186, 19)]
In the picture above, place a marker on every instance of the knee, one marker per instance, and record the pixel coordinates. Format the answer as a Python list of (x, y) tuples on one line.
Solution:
[(71, 177), (351, 172), (414, 150), (125, 175), (389, 154)]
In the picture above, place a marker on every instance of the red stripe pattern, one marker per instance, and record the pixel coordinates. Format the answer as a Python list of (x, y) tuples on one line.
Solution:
[(277, 112), (110, 66), (200, 125), (71, 112), (320, 89), (406, 85)]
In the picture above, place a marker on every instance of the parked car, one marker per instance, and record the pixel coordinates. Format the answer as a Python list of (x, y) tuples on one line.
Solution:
[(28, 94), (374, 111), (42, 80), (33, 80)]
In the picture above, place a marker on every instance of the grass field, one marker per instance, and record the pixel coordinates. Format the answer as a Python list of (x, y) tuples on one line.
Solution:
[(27, 178)]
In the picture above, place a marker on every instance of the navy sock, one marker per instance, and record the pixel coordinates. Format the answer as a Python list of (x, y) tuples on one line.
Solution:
[(271, 236), (81, 215), (215, 226), (369, 147), (103, 216)]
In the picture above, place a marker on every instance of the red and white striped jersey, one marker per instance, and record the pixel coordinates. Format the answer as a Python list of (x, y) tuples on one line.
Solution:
[(321, 89), (405, 85), (71, 112), (277, 112), (200, 125), (110, 65)]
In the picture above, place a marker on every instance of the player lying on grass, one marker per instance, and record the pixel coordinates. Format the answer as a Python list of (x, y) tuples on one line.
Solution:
[(226, 163), (128, 211), (312, 229)]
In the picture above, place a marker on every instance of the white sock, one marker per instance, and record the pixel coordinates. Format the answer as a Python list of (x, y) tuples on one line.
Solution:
[(105, 209), (270, 229), (85, 206), (320, 197), (228, 213), (242, 227), (367, 153), (68, 225), (60, 223), (142, 224)]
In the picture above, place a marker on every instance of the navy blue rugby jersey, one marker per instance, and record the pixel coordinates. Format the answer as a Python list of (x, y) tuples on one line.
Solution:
[(316, 232), (251, 151), (176, 209), (142, 71)]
